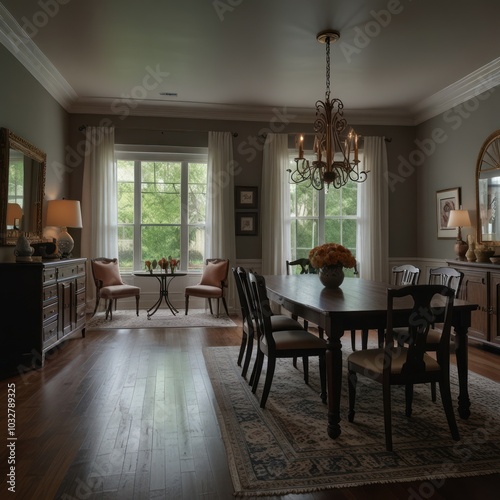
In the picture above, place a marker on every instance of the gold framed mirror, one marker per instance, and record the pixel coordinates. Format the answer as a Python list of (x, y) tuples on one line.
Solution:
[(22, 188)]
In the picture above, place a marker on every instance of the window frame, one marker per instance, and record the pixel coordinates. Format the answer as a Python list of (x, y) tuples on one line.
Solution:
[(181, 154), (321, 216)]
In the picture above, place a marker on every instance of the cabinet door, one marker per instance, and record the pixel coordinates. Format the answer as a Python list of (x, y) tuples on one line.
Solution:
[(494, 308), (66, 304), (475, 289)]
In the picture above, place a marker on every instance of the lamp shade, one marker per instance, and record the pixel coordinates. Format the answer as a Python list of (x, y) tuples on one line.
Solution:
[(64, 213), (14, 211), (459, 218)]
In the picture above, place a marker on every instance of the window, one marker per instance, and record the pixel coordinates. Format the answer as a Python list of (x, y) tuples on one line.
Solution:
[(161, 206), (322, 216)]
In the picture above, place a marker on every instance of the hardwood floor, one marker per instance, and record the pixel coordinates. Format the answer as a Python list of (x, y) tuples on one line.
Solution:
[(126, 414)]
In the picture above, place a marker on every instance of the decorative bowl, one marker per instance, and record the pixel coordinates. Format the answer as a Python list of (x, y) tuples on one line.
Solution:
[(495, 259)]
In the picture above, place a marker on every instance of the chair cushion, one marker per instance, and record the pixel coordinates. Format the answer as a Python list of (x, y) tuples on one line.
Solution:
[(119, 291), (107, 272), (205, 291), (282, 322), (296, 339), (372, 361), (214, 273)]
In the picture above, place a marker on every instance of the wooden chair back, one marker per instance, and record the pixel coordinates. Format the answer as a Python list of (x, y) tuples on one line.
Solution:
[(405, 275)]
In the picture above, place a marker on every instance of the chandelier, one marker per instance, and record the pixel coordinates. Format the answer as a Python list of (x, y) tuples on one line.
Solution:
[(335, 142)]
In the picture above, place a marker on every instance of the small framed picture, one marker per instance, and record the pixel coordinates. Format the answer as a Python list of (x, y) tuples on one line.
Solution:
[(446, 200), (246, 224), (245, 197)]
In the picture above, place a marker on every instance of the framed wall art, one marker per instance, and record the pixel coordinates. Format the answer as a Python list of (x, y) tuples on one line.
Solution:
[(246, 224), (446, 200), (245, 197)]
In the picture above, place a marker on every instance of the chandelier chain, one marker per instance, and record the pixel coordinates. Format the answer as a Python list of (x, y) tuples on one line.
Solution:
[(327, 93)]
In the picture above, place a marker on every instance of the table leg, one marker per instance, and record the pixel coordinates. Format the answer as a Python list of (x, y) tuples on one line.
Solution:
[(461, 347), (334, 385)]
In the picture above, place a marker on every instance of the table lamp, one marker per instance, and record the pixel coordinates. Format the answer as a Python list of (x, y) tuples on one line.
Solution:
[(459, 219), (14, 215), (64, 213)]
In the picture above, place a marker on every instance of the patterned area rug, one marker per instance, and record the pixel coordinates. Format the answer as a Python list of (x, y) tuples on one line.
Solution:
[(285, 448), (163, 318)]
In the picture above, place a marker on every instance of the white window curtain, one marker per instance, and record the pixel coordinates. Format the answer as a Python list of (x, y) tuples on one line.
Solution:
[(276, 247), (372, 242), (99, 195), (219, 237)]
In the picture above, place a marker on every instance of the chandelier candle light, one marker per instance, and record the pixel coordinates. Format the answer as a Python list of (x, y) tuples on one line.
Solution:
[(334, 140)]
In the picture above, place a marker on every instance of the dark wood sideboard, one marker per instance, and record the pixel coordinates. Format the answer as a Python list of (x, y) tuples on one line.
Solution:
[(41, 304), (481, 285)]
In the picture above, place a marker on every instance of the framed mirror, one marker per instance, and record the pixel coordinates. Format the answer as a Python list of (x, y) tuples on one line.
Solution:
[(488, 191), (22, 187)]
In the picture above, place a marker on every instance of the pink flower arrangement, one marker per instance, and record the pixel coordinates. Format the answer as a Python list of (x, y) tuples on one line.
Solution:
[(331, 254)]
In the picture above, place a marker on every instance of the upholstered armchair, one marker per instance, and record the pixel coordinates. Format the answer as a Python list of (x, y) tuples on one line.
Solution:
[(212, 284), (109, 285)]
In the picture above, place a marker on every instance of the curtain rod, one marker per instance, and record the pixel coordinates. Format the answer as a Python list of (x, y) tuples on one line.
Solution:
[(81, 128)]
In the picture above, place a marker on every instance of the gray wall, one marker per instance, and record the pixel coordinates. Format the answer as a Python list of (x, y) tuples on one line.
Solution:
[(32, 113), (451, 162)]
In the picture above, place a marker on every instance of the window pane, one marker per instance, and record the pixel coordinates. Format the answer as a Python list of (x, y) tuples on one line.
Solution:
[(196, 248), (160, 241), (349, 199), (332, 231), (304, 201), (126, 248), (197, 193), (306, 237), (161, 192), (349, 234), (333, 199)]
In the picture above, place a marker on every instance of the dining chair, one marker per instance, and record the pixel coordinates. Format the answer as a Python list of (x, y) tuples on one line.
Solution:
[(249, 314), (408, 365), (405, 274), (109, 285), (281, 344), (212, 284), (447, 276)]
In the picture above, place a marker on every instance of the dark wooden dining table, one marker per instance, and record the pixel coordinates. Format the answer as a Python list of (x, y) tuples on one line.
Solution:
[(357, 305)]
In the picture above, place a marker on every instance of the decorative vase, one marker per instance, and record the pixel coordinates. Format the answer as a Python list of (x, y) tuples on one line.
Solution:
[(23, 250), (470, 254), (331, 276)]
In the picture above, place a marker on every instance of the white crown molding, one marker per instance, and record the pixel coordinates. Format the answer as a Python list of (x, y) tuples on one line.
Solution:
[(17, 41), (479, 81)]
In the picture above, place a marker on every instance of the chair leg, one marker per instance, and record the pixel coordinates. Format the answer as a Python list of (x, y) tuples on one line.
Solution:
[(225, 305), (305, 364), (242, 347), (210, 305), (257, 370), (248, 355), (109, 310), (271, 365), (187, 305), (352, 380), (408, 399), (381, 338), (364, 339), (97, 300), (433, 391), (386, 392), (353, 340), (116, 303), (137, 305), (444, 390)]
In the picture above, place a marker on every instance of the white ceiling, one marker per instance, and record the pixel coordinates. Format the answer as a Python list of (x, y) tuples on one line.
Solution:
[(227, 57)]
